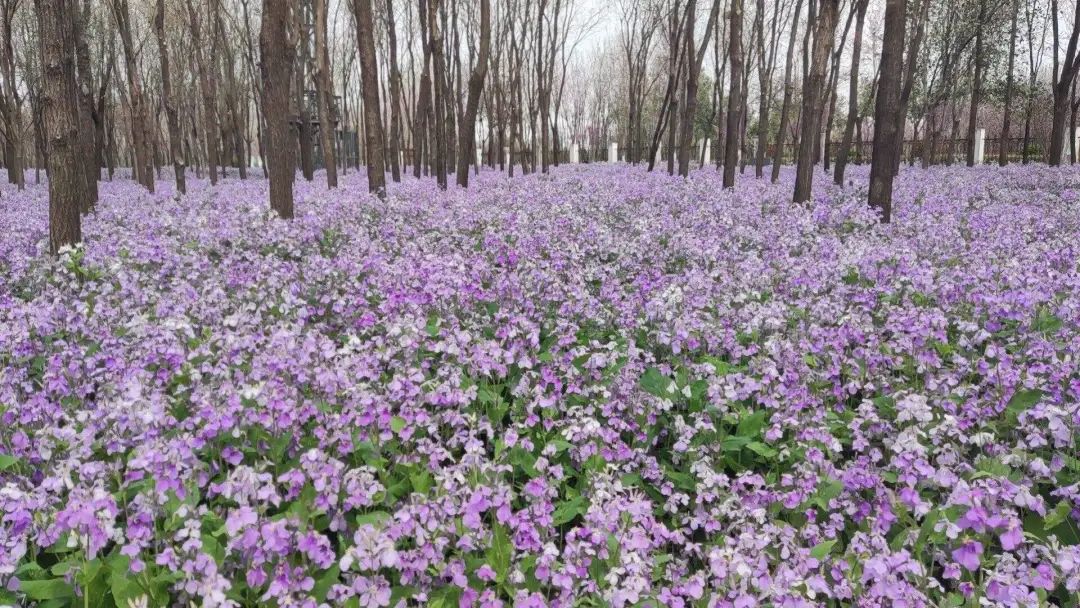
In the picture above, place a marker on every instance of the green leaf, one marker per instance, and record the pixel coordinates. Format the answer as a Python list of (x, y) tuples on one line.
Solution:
[(397, 423), (822, 549), (568, 510), (750, 425), (327, 580), (49, 589), (374, 518), (1057, 516), (827, 491), (655, 383), (1021, 401), (498, 555), (524, 460), (7, 461), (764, 450)]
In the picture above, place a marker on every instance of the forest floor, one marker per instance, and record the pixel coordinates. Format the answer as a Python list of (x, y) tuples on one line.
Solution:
[(595, 387)]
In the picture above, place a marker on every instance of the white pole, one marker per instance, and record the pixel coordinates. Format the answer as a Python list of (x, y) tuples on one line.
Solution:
[(613, 152), (574, 154), (706, 152), (980, 145)]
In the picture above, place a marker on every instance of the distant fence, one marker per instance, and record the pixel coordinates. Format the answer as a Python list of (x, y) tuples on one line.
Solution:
[(938, 151)]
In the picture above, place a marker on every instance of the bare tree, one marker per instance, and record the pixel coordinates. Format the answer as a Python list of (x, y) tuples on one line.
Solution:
[(735, 95), (394, 104), (369, 76), (853, 94), (140, 115), (59, 104), (172, 115), (813, 92), (1063, 78), (324, 85), (888, 119), (694, 59), (1003, 148), (789, 93), (277, 49), (467, 126)]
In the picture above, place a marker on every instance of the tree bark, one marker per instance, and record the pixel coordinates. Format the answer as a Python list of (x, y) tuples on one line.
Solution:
[(694, 59), (369, 77), (144, 162), (887, 110), (278, 52), (438, 61), (853, 95), (60, 112), (394, 103), (172, 116), (467, 126), (324, 81), (1003, 143), (789, 94), (735, 94), (813, 90), (976, 85)]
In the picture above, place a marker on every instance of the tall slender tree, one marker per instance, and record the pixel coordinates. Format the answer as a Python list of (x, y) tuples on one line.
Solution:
[(813, 98), (277, 50), (735, 95), (168, 99), (324, 85), (467, 126), (369, 77), (888, 120), (844, 150), (789, 94), (140, 114), (60, 113)]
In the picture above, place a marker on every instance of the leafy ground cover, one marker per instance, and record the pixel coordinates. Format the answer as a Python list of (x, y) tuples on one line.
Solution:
[(595, 388)]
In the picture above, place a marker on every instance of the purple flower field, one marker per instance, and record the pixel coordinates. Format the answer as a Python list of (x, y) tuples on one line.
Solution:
[(598, 387)]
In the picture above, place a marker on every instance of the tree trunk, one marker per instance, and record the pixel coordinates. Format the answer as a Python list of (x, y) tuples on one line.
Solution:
[(1003, 142), (140, 128), (976, 86), (84, 78), (60, 111), (438, 61), (694, 59), (208, 87), (324, 81), (813, 90), (853, 95), (305, 137), (467, 127), (394, 103), (789, 94), (278, 52), (887, 108), (735, 94), (369, 76), (172, 117)]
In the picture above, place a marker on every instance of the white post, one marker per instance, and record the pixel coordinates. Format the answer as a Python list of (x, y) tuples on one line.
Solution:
[(574, 154), (980, 145), (706, 152), (479, 157), (613, 152), (506, 155), (401, 158)]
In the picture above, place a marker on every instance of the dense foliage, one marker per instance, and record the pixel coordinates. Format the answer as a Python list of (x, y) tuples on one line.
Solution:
[(600, 387)]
